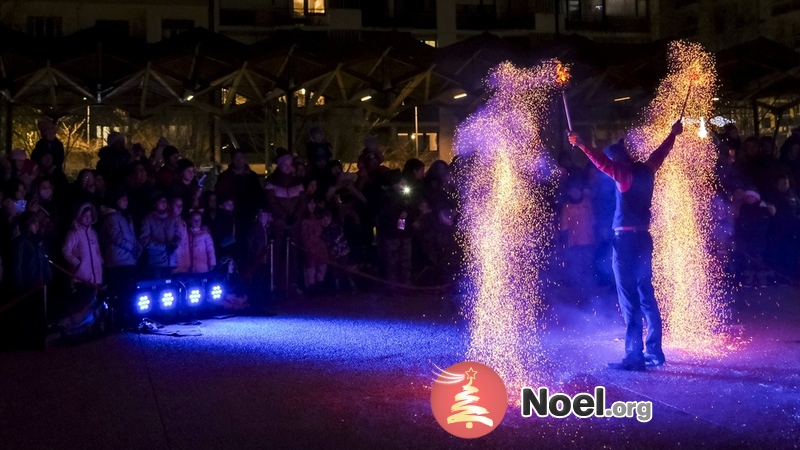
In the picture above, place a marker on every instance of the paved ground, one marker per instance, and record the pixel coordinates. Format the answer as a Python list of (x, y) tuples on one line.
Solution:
[(355, 373)]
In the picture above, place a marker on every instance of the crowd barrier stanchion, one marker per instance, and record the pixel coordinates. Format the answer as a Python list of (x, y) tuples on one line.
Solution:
[(44, 302), (288, 243), (271, 268)]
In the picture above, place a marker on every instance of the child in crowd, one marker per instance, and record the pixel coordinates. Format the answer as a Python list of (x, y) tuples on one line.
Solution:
[(121, 249), (315, 252), (223, 229), (202, 257), (182, 252), (81, 249), (160, 236), (334, 239)]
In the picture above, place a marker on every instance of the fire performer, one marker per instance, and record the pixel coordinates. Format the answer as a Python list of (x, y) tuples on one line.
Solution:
[(633, 246)]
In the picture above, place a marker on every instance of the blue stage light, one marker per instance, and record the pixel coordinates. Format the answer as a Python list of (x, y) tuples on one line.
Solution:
[(216, 291), (194, 296), (168, 299), (143, 303)]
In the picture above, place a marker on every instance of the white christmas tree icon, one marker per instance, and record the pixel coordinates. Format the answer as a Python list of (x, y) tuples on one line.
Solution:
[(464, 409)]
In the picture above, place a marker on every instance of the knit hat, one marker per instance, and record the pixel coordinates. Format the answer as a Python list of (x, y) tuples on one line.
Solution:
[(45, 125), (114, 137), (752, 194), (617, 152), (283, 153)]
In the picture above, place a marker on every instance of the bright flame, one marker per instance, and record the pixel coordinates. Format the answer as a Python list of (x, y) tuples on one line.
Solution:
[(702, 132), (562, 74), (687, 276), (507, 225)]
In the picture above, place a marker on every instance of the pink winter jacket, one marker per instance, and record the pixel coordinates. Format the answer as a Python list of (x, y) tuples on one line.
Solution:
[(200, 257), (82, 250)]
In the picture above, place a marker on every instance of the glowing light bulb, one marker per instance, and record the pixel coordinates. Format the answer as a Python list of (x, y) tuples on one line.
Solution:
[(702, 133)]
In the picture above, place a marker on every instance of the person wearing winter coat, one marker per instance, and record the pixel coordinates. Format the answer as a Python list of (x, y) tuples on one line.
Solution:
[(81, 248), (121, 249), (186, 186), (285, 192), (31, 268), (160, 237), (258, 239), (201, 257), (240, 182), (182, 252), (314, 249), (223, 229)]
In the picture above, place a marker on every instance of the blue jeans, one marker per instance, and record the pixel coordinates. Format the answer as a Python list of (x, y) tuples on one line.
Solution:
[(632, 262)]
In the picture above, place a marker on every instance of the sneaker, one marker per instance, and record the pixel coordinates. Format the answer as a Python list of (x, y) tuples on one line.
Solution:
[(634, 367), (653, 360)]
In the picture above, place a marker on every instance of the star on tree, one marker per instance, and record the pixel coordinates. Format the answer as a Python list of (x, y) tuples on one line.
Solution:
[(471, 373)]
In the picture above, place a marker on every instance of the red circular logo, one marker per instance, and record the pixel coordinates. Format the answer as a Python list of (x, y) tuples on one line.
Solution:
[(469, 399)]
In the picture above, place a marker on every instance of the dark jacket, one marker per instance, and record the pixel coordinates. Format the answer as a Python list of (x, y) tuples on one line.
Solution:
[(118, 240), (54, 147), (31, 268), (160, 237), (245, 188)]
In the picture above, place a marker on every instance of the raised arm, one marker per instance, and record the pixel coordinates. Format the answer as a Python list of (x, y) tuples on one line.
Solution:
[(619, 172), (657, 157)]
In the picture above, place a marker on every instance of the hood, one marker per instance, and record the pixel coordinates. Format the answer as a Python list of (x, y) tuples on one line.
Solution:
[(82, 209)]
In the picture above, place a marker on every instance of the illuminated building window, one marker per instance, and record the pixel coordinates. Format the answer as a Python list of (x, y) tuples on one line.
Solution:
[(303, 7)]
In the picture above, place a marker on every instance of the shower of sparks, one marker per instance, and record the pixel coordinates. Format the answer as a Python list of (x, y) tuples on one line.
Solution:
[(507, 224), (687, 276)]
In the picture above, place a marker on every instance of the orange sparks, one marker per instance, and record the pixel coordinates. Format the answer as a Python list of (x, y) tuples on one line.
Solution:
[(687, 274), (562, 74), (507, 229)]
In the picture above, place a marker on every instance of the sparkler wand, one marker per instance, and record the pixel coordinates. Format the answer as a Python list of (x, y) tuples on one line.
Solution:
[(562, 74), (686, 100)]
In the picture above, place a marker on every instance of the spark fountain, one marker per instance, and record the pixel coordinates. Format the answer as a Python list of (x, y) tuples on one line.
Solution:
[(687, 276), (507, 225)]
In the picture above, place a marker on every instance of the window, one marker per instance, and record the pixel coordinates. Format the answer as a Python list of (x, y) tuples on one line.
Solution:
[(174, 27), (431, 42), (45, 27), (303, 7)]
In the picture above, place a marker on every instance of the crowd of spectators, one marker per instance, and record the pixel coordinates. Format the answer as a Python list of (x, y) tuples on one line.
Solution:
[(319, 229), (138, 216)]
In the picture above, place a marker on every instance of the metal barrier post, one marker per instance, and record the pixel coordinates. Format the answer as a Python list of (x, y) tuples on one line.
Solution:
[(271, 267), (288, 243)]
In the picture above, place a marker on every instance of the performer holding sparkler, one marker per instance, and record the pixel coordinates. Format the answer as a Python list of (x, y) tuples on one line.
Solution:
[(633, 246)]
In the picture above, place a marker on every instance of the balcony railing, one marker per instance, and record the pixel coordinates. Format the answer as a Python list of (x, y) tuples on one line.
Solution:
[(611, 24), (426, 20), (484, 17)]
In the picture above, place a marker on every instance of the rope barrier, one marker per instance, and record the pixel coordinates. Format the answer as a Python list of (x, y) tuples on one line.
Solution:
[(380, 280)]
